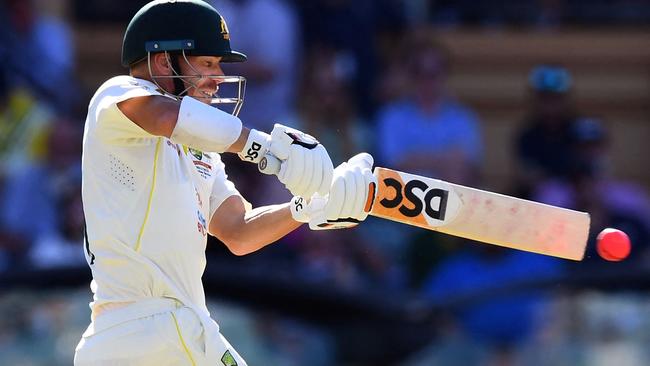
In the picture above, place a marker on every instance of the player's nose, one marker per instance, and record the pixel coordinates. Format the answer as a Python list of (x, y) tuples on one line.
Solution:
[(217, 70), (216, 81)]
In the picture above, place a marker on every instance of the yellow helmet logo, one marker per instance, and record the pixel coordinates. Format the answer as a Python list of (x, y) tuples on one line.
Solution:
[(224, 29)]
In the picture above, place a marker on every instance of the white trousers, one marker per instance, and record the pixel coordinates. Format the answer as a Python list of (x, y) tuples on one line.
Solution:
[(154, 332)]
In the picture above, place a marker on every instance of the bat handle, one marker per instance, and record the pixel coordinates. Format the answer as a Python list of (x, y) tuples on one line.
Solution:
[(269, 165)]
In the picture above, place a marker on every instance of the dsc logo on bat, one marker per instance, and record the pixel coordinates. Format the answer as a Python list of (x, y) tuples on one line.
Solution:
[(408, 193), (414, 199)]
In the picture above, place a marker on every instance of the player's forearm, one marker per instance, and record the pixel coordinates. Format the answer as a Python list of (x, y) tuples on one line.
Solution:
[(259, 228), (238, 145), (189, 122)]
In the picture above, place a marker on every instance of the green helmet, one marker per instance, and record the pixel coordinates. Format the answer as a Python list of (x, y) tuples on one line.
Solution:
[(191, 26)]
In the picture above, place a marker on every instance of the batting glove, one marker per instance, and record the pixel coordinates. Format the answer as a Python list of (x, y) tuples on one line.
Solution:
[(306, 167), (349, 201)]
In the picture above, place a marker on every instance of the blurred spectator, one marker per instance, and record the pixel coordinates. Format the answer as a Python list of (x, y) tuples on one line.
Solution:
[(38, 30), (267, 32), (327, 108), (591, 187), (41, 327), (288, 342), (491, 317), (64, 246), (32, 193), (4, 111), (346, 260), (352, 28), (24, 123), (428, 132), (544, 145)]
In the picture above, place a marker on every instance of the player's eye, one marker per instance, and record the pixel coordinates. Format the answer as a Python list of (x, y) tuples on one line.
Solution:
[(208, 64)]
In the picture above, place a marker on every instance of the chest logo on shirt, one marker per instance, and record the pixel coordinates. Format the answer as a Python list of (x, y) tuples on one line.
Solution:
[(196, 153), (201, 162)]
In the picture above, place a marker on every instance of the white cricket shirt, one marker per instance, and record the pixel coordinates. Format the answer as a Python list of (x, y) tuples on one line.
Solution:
[(147, 203)]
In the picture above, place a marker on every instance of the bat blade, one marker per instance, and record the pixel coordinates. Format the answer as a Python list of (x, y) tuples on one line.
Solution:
[(479, 215)]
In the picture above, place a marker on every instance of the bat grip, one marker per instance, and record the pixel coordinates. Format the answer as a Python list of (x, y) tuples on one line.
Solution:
[(269, 165)]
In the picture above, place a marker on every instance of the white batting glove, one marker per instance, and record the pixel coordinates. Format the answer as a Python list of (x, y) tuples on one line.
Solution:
[(303, 210), (257, 145), (305, 168), (349, 201)]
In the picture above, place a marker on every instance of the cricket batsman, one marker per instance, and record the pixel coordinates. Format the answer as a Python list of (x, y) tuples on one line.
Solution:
[(154, 187)]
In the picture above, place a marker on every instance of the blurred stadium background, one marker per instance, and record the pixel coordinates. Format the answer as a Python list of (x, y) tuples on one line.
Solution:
[(543, 99)]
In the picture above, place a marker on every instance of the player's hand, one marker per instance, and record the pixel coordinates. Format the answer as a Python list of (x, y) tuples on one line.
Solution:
[(306, 167), (349, 201)]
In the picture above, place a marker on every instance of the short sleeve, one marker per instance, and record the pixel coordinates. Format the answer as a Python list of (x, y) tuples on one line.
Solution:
[(222, 188), (110, 124)]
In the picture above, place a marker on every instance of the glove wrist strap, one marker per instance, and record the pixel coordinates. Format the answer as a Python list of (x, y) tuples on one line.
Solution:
[(299, 212), (256, 146)]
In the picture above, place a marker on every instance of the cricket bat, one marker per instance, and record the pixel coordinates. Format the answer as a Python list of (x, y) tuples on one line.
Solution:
[(474, 214)]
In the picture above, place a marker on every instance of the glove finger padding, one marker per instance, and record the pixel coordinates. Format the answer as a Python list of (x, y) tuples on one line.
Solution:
[(306, 175), (370, 185), (280, 145), (348, 198), (293, 167), (327, 169), (359, 195), (306, 166), (316, 175), (336, 197), (348, 202), (307, 171)]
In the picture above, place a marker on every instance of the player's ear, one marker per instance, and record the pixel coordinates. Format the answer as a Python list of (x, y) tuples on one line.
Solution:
[(160, 64)]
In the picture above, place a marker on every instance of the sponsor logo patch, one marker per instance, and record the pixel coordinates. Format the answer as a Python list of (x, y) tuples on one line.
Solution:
[(224, 30), (253, 152), (228, 360), (196, 153), (204, 169)]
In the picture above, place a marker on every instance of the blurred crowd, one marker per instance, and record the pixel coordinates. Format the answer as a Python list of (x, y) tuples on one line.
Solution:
[(360, 76)]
